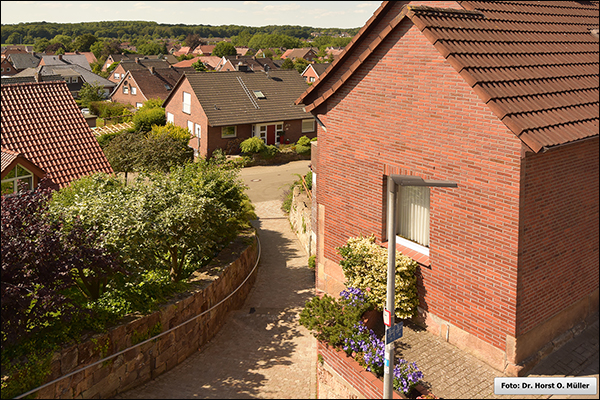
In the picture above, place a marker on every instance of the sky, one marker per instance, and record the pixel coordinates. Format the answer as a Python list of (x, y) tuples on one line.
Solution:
[(318, 14)]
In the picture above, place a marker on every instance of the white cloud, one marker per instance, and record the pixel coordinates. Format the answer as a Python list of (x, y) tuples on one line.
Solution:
[(252, 3), (283, 7), (363, 5)]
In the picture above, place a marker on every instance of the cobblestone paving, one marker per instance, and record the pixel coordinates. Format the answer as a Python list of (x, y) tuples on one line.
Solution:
[(453, 374)]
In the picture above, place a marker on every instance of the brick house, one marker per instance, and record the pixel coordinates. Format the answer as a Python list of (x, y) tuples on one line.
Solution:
[(43, 131), (139, 85), (139, 63), (466, 92), (222, 109), (312, 72), (308, 53)]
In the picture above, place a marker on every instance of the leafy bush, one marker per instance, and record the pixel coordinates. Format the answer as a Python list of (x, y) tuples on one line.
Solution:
[(253, 145), (312, 262), (269, 152), (365, 266), (303, 145), (107, 109), (104, 139), (332, 321), (144, 119), (150, 104)]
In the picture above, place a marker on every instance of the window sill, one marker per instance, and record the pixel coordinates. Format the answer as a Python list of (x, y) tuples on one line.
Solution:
[(420, 258)]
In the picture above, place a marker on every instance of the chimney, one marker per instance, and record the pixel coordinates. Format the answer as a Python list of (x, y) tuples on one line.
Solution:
[(37, 76), (151, 70), (60, 56), (137, 60)]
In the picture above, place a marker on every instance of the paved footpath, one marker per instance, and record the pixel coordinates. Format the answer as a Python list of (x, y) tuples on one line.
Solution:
[(451, 373), (261, 351)]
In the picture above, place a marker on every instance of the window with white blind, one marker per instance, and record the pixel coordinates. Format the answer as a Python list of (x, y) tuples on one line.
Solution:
[(412, 224), (170, 118), (187, 103), (198, 130), (308, 125), (133, 90), (191, 127)]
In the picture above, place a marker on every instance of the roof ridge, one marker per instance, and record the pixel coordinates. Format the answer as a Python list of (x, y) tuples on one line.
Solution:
[(441, 11)]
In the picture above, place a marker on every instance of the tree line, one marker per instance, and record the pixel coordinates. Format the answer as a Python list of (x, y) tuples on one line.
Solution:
[(30, 32)]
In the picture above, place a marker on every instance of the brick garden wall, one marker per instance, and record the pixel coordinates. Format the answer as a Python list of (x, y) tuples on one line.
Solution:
[(146, 362)]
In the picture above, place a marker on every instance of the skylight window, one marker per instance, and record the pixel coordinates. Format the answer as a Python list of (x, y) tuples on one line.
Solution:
[(259, 94)]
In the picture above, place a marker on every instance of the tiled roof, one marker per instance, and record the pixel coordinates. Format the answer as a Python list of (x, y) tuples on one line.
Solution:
[(8, 156), (30, 78), (227, 98), (535, 64), (68, 70), (298, 53), (42, 121), (144, 63), (254, 63), (24, 60), (153, 85), (212, 61), (67, 59)]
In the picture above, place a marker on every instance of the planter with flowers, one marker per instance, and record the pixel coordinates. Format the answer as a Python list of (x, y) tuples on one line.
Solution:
[(343, 325)]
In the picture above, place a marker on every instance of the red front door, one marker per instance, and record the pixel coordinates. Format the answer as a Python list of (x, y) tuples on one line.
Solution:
[(270, 134)]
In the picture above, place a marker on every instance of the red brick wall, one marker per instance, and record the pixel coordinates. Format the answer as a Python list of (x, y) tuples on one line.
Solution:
[(129, 98), (558, 262), (408, 109), (197, 116)]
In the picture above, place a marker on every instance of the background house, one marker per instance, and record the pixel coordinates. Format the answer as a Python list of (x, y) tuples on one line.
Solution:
[(74, 75), (486, 95), (221, 108), (66, 60), (309, 54), (140, 85), (312, 72), (242, 63), (42, 124), (139, 63)]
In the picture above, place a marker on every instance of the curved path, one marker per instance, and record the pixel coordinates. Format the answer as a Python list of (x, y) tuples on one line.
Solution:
[(261, 350)]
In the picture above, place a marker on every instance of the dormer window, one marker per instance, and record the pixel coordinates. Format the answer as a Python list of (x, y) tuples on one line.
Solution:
[(10, 184)]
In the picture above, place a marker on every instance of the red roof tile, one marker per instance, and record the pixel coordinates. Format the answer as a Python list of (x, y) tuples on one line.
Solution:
[(535, 64), (42, 121)]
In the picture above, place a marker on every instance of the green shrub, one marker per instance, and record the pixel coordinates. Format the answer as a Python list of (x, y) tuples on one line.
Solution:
[(144, 119), (303, 145), (269, 152), (107, 109), (365, 267), (312, 262), (253, 145), (104, 139)]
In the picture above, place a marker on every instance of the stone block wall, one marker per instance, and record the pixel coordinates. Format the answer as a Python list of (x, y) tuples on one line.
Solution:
[(145, 362), (301, 219)]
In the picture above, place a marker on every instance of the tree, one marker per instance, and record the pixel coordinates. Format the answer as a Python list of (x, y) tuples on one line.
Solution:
[(199, 66), (89, 93), (287, 64), (300, 65), (224, 49), (14, 38), (121, 152), (144, 119), (41, 45), (164, 148), (192, 40), (34, 267), (150, 48), (84, 42)]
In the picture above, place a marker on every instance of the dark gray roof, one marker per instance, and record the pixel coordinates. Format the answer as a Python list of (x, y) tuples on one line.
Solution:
[(227, 98), (320, 68), (144, 63), (68, 70), (67, 59), (24, 60), (30, 78)]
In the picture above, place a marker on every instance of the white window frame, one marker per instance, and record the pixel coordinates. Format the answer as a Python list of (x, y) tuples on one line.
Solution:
[(190, 126), (413, 223), (225, 135), (125, 90), (28, 175), (198, 132), (312, 123), (133, 91), (170, 118), (74, 79), (117, 75), (187, 105), (139, 105), (260, 130)]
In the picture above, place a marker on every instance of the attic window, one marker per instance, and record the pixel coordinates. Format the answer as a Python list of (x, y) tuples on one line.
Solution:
[(259, 94), (167, 87)]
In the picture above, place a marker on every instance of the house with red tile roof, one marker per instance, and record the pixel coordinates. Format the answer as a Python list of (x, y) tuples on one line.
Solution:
[(312, 72), (210, 62), (43, 126), (140, 85), (501, 99), (222, 109), (308, 53)]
